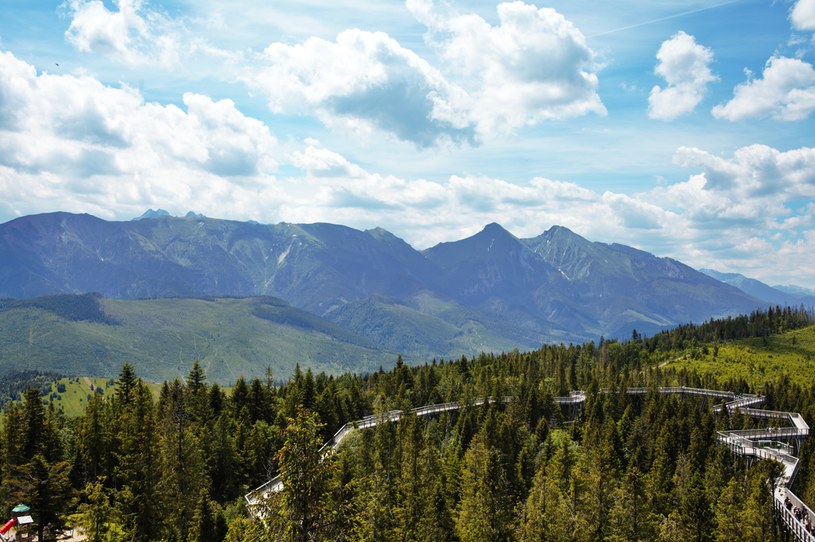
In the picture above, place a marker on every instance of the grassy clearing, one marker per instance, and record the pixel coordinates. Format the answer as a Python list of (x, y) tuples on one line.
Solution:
[(72, 394), (756, 360)]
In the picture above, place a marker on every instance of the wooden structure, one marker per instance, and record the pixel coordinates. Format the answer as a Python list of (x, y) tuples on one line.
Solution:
[(781, 436)]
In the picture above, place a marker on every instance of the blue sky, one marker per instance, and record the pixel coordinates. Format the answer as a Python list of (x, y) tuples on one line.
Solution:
[(682, 128)]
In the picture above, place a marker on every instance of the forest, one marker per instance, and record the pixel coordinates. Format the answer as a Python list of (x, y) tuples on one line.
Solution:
[(175, 466)]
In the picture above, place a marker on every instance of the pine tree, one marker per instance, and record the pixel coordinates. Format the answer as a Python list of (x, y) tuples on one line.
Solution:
[(126, 385), (302, 510), (728, 510), (536, 513), (46, 488), (98, 519), (631, 516), (93, 441), (484, 513), (138, 468), (203, 521), (183, 472)]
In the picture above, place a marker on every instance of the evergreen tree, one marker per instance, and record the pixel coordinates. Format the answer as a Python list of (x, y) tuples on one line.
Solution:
[(138, 468), (95, 515), (536, 513), (183, 472), (728, 511), (46, 488), (484, 510), (126, 385), (302, 510), (631, 516), (203, 521)]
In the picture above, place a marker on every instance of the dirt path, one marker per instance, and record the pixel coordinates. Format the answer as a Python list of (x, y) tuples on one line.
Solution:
[(76, 536)]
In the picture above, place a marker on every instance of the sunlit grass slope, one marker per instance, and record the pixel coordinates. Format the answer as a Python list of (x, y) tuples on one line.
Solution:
[(756, 360)]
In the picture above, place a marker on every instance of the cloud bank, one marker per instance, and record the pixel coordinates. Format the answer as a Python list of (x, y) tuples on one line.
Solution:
[(76, 143)]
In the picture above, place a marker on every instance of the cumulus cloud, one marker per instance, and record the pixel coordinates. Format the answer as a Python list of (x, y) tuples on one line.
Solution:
[(803, 15), (426, 212), (533, 66), (761, 197), (685, 66), (76, 140), (131, 32), (366, 76), (757, 172), (786, 91)]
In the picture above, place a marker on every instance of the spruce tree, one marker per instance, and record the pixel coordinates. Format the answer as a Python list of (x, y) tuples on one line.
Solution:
[(302, 511)]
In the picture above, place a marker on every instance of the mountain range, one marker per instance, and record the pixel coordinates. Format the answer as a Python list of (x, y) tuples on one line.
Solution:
[(773, 295), (489, 292)]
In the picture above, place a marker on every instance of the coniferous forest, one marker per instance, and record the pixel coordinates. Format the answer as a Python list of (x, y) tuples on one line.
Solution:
[(176, 465)]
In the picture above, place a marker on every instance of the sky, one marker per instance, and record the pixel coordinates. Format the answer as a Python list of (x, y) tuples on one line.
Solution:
[(683, 128)]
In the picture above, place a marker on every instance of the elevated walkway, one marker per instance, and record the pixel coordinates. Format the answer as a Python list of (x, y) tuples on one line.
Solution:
[(760, 443)]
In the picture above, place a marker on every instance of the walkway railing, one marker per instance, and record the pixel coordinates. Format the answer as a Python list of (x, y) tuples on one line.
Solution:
[(749, 442)]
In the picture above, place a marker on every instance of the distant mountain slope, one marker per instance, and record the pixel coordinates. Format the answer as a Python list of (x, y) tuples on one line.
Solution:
[(768, 294), (796, 290), (489, 291), (162, 337), (314, 266), (623, 288)]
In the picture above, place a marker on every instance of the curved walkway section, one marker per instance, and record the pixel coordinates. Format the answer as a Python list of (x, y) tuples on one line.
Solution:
[(767, 442)]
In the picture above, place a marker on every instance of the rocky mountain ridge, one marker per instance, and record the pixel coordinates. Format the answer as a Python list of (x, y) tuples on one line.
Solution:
[(557, 286)]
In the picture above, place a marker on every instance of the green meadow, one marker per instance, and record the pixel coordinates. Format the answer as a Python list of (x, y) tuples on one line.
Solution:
[(756, 360)]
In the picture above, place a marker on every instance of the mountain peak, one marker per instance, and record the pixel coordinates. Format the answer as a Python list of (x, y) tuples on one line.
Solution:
[(150, 213), (494, 235), (562, 232), (493, 228)]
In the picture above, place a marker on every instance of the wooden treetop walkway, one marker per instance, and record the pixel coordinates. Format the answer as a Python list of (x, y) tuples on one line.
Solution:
[(765, 442)]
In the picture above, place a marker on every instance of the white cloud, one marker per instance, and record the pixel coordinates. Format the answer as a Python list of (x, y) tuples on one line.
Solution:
[(132, 33), (786, 91), (533, 66), (736, 211), (685, 66), (72, 143), (803, 15), (81, 145), (757, 173), (366, 76)]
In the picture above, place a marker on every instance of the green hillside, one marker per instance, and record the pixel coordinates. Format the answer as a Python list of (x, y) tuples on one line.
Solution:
[(611, 464), (755, 360), (72, 394), (162, 337)]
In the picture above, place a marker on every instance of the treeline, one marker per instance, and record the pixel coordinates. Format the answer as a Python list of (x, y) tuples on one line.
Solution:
[(773, 321), (176, 466), (87, 307), (14, 383)]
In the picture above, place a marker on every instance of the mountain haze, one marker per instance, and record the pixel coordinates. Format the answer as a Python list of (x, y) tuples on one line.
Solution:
[(769, 294)]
